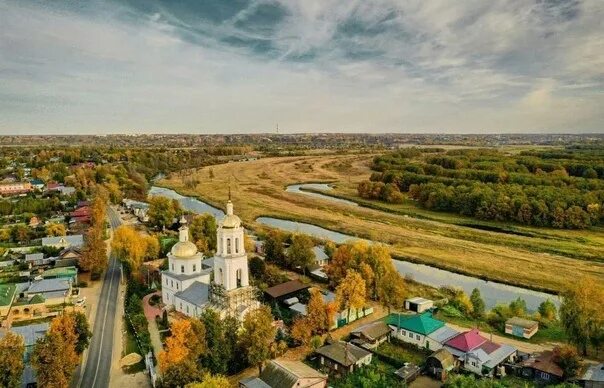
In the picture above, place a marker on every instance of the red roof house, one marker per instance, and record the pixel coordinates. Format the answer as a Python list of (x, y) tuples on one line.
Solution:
[(466, 341), (81, 214)]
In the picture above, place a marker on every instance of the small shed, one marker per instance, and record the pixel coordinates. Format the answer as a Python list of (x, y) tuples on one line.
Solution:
[(520, 327), (341, 358), (440, 363), (418, 305), (408, 372), (372, 334), (286, 290)]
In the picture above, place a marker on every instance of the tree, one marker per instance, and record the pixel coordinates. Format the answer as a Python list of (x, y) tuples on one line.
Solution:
[(152, 247), (300, 253), (12, 349), (186, 344), (56, 230), (518, 307), (351, 293), (94, 252), (568, 359), (317, 312), (273, 247), (211, 381), (257, 267), (49, 363), (477, 303), (582, 312), (547, 310), (180, 374), (391, 290), (203, 228), (129, 246), (258, 335), (162, 211), (301, 331), (82, 330)]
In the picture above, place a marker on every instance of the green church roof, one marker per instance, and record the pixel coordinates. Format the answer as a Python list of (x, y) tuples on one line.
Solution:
[(419, 323)]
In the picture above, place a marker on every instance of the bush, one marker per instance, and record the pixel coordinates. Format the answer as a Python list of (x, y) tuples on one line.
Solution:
[(82, 284)]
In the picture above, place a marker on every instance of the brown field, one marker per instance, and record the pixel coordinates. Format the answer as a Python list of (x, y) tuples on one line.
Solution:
[(258, 190)]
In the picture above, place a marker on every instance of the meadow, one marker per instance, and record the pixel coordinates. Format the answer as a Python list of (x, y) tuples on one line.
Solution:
[(533, 257)]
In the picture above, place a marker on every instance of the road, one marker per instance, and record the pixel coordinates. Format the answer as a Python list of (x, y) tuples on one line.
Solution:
[(98, 363)]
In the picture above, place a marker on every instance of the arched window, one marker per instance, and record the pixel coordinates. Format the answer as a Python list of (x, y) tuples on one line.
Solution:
[(228, 246), (219, 275), (182, 269), (238, 273), (236, 245)]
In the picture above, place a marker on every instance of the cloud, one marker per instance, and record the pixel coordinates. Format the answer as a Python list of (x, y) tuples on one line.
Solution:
[(242, 66)]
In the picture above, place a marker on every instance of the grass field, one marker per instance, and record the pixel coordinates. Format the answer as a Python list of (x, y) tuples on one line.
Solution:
[(537, 258)]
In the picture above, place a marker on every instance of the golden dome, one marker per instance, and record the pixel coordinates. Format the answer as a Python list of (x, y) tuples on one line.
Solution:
[(231, 221), (184, 249)]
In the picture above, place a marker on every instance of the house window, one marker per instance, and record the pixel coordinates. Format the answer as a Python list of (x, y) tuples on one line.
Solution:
[(236, 245), (417, 336), (182, 269), (473, 363), (228, 246), (410, 335), (403, 333), (181, 305)]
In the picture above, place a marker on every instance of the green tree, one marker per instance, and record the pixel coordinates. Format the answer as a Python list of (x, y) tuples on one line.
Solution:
[(258, 335), (547, 310), (12, 349), (273, 247), (82, 330), (518, 307), (300, 253), (162, 211), (477, 303)]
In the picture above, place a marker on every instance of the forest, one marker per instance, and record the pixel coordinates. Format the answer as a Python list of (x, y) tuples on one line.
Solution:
[(560, 188)]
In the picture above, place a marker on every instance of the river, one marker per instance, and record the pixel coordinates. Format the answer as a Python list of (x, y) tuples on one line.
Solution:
[(300, 189), (492, 292)]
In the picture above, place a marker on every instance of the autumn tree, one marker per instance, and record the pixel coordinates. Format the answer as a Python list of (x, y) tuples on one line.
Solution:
[(187, 343), (129, 246), (567, 358), (180, 374), (94, 252), (211, 381), (391, 291), (258, 335), (582, 312), (12, 349), (152, 247), (351, 292), (52, 365), (317, 312), (300, 253), (301, 330), (65, 326), (55, 230)]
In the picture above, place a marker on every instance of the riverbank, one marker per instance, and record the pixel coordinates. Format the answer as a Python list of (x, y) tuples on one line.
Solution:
[(258, 190)]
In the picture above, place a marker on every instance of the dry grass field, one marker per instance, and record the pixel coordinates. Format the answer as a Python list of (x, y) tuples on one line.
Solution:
[(546, 259)]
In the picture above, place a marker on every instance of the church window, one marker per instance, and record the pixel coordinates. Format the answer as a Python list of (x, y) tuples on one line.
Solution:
[(194, 267), (228, 246), (172, 283), (239, 277), (187, 309), (182, 269), (236, 245), (177, 286), (166, 281), (219, 275), (172, 266)]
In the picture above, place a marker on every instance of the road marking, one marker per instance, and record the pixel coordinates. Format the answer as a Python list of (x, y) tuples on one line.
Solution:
[(98, 362), (96, 371)]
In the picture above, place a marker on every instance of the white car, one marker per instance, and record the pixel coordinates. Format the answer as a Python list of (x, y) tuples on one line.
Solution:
[(81, 301)]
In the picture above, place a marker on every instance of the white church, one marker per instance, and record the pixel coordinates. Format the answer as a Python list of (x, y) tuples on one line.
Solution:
[(192, 284)]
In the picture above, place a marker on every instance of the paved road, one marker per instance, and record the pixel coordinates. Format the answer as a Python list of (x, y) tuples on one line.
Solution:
[(98, 364)]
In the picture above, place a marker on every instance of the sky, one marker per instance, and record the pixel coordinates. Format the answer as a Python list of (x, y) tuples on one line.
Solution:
[(236, 66)]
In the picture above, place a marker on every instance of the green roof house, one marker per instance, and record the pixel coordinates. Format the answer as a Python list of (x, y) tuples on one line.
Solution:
[(420, 329)]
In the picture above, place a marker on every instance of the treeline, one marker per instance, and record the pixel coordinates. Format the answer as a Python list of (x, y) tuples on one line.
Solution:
[(489, 185)]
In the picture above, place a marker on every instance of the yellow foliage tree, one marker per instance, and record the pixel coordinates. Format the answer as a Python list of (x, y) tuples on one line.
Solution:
[(186, 343), (12, 349), (56, 230), (129, 246), (351, 292), (317, 312), (301, 330), (211, 381)]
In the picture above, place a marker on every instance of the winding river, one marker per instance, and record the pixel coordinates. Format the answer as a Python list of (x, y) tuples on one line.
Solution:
[(493, 293), (300, 189)]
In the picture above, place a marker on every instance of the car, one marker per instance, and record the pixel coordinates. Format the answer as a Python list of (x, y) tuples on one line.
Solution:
[(81, 302)]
